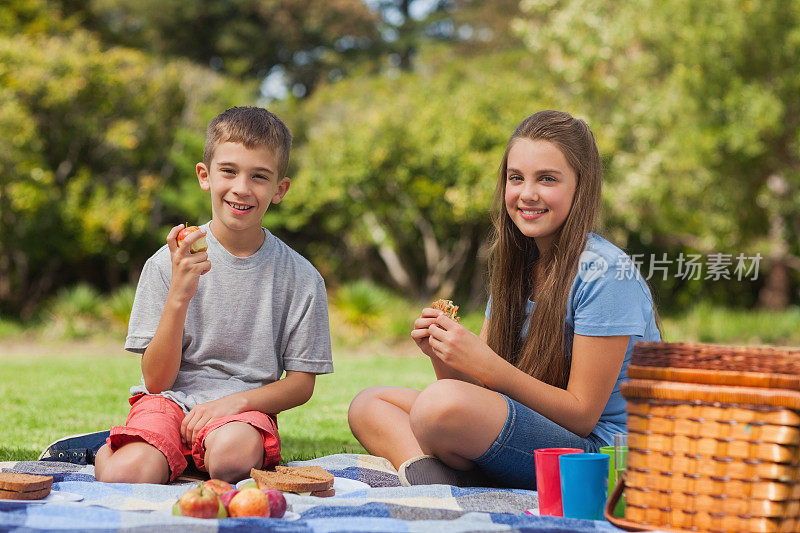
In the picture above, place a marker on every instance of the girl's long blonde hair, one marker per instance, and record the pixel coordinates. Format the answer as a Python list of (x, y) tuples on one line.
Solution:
[(542, 353)]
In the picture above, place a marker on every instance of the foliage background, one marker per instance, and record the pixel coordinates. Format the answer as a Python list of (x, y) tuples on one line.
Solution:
[(401, 111)]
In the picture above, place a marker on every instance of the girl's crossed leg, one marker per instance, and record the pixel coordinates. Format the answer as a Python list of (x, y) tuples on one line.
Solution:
[(453, 420), (463, 425)]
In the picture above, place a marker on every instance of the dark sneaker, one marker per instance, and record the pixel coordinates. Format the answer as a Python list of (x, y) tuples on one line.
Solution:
[(428, 470), (76, 449)]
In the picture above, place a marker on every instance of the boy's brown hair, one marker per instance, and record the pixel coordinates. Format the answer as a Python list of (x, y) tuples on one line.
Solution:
[(252, 127)]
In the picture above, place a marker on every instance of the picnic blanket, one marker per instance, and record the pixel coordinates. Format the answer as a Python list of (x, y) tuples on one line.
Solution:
[(385, 506)]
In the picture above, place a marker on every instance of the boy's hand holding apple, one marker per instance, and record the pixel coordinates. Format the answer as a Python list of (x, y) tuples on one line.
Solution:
[(187, 266), (198, 245)]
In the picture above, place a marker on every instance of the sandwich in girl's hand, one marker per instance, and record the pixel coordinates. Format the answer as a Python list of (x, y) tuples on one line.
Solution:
[(303, 480), (448, 307), (14, 486)]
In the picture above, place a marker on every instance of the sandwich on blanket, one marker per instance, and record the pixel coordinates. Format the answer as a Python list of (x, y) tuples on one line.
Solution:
[(303, 480), (15, 486)]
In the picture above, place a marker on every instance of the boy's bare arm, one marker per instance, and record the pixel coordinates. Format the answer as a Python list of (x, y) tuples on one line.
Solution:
[(294, 389), (162, 358)]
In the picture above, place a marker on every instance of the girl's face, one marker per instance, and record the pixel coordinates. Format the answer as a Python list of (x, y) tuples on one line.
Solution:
[(540, 186)]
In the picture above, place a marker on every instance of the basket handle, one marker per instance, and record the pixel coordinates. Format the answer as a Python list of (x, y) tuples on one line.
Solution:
[(624, 523), (611, 503)]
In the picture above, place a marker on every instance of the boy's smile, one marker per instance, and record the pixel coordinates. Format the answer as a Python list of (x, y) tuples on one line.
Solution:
[(540, 186), (243, 183)]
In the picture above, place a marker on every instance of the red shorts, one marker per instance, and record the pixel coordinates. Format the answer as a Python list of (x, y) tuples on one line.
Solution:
[(157, 421)]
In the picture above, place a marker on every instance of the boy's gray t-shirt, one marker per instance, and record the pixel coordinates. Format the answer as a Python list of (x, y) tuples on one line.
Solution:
[(250, 319)]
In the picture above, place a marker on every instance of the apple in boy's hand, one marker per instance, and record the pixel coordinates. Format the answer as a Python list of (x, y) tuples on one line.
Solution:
[(218, 486), (277, 503), (199, 245), (227, 497), (250, 502), (199, 502)]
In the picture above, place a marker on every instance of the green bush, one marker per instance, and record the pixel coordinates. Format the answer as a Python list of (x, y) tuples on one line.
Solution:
[(362, 310), (81, 312), (708, 323), (75, 313), (119, 304)]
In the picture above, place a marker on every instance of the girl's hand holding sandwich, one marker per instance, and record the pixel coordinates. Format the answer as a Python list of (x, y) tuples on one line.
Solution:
[(461, 349), (421, 331)]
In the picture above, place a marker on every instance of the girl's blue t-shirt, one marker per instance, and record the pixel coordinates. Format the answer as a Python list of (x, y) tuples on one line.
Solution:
[(608, 297)]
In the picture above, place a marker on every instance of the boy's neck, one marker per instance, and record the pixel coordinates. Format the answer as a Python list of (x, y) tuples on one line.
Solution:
[(238, 243)]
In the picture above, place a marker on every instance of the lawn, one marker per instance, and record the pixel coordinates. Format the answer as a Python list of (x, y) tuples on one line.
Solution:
[(51, 390), (48, 396)]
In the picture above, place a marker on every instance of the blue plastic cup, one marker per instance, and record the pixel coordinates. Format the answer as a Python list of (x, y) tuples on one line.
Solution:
[(584, 484)]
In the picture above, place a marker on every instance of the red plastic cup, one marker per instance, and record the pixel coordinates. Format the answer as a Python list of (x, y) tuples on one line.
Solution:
[(548, 479)]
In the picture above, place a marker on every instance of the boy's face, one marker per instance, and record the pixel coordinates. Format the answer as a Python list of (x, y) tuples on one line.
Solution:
[(243, 183)]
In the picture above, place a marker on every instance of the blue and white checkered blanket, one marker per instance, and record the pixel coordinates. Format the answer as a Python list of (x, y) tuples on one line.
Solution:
[(384, 507)]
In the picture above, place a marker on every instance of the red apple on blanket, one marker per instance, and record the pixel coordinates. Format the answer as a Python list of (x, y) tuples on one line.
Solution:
[(277, 503), (227, 497), (199, 502), (218, 486), (199, 245), (250, 502)]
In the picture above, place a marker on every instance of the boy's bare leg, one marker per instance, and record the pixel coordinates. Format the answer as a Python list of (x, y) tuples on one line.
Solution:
[(232, 450), (379, 419), (135, 462)]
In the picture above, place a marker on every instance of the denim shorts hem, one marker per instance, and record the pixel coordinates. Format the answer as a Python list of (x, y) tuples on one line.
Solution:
[(501, 439)]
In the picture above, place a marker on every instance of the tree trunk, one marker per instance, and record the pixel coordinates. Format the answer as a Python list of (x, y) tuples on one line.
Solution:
[(394, 265), (775, 293)]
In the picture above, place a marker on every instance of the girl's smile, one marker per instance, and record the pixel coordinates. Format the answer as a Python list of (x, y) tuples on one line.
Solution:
[(531, 214), (540, 186)]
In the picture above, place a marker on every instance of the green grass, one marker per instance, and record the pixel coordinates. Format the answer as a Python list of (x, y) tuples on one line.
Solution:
[(48, 397), (45, 397), (706, 323)]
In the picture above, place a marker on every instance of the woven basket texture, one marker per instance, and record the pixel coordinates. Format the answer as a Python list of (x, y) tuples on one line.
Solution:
[(711, 454), (760, 359)]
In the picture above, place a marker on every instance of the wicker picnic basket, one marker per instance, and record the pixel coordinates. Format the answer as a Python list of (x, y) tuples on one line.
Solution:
[(713, 438)]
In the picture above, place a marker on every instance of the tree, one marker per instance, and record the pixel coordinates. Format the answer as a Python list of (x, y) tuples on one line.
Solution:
[(307, 40), (698, 107), (91, 140), (403, 168)]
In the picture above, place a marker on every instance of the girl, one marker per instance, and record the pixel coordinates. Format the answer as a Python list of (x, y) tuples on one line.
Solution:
[(566, 307)]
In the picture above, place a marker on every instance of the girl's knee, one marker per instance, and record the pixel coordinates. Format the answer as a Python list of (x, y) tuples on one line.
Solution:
[(441, 400), (362, 405), (441, 406)]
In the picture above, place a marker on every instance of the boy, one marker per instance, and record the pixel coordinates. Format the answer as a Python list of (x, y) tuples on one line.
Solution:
[(217, 329)]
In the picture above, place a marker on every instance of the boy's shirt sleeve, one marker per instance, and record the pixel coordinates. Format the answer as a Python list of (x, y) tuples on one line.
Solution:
[(611, 304), (307, 346), (148, 304)]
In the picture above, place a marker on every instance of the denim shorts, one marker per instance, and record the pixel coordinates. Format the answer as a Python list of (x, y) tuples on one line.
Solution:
[(509, 460)]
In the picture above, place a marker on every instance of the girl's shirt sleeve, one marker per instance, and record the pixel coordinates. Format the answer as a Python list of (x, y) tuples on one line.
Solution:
[(609, 297)]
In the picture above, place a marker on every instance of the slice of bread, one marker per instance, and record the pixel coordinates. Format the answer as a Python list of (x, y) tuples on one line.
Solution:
[(301, 479), (15, 486)]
